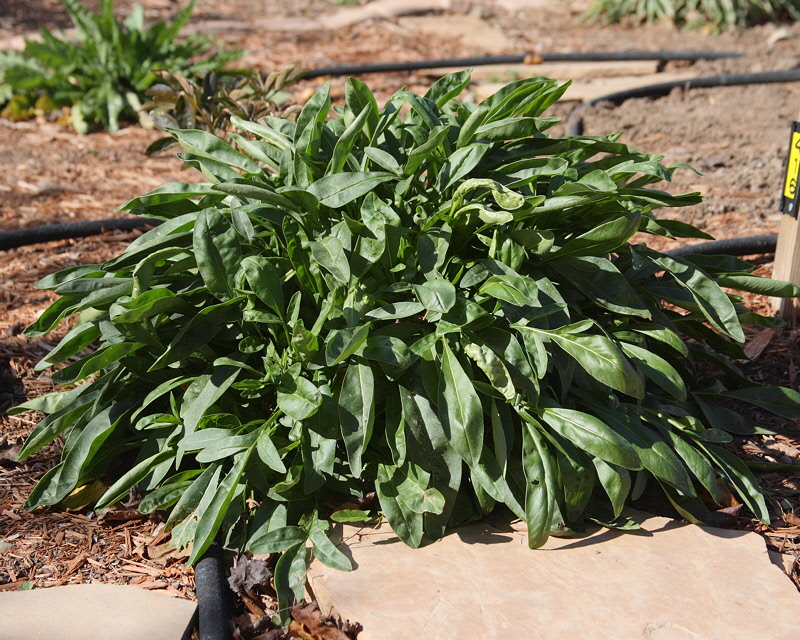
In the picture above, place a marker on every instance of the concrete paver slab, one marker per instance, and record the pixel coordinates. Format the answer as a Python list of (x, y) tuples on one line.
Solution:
[(93, 612), (669, 582), (473, 31)]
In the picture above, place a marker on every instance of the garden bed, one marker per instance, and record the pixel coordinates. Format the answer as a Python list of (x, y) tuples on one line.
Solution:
[(736, 136)]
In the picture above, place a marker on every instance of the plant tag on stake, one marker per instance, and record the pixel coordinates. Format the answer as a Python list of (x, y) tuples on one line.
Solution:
[(789, 197)]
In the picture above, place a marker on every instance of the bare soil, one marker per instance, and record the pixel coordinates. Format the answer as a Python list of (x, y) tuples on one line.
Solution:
[(737, 137)]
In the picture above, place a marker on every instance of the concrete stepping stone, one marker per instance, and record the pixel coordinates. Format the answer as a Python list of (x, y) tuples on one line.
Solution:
[(474, 31), (670, 581), (94, 612)]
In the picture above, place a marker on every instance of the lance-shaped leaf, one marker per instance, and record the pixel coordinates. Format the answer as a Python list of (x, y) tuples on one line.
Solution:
[(711, 300), (603, 238), (78, 338), (616, 481), (357, 412), (598, 278), (516, 290), (598, 356), (204, 391), (742, 479), (103, 357), (343, 343), (206, 145), (218, 253), (324, 549), (541, 484), (298, 397), (265, 281), (436, 295), (405, 522), (338, 189), (657, 369), (779, 400), (592, 435), (493, 367), (459, 408), (329, 253)]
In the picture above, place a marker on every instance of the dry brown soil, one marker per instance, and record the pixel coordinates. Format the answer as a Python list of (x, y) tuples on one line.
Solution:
[(736, 136)]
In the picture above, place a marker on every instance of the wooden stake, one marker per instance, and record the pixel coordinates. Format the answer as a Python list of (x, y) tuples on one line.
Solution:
[(787, 267), (787, 253)]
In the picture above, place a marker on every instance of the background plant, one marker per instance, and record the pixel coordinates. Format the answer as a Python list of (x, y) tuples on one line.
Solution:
[(180, 103), (443, 309), (104, 72), (718, 14)]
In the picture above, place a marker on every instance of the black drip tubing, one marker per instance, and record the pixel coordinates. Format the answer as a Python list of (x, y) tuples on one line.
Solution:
[(524, 58), (575, 120), (212, 595), (749, 246), (49, 232)]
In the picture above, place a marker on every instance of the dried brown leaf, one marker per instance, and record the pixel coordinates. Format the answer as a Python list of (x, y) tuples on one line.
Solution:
[(308, 623), (248, 573), (791, 519)]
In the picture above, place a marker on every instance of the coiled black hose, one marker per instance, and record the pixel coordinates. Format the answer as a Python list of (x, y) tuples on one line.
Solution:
[(524, 58), (212, 595), (575, 120), (63, 231)]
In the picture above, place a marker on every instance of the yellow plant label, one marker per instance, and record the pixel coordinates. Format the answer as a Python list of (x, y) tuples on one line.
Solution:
[(793, 167)]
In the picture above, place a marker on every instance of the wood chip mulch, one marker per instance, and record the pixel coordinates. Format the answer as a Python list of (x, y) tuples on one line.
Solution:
[(53, 547)]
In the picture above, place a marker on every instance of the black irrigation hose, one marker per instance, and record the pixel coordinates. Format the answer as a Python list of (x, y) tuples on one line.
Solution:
[(524, 58), (575, 120), (49, 232), (212, 595), (749, 246)]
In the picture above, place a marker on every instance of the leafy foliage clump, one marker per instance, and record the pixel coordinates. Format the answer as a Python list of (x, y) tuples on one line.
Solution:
[(103, 74), (434, 303), (718, 14), (177, 102)]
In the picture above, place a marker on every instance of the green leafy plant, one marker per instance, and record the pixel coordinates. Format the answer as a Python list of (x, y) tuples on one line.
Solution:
[(103, 74), (179, 103), (434, 301), (719, 14)]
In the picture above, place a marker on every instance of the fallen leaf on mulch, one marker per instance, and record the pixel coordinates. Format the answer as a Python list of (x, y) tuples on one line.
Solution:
[(84, 495), (248, 573), (728, 517), (8, 452), (308, 623), (760, 341)]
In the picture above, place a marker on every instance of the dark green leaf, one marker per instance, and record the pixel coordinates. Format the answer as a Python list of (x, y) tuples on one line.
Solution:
[(592, 435), (298, 398), (540, 486), (218, 253), (406, 523), (657, 369), (779, 400), (265, 281), (459, 408), (277, 540), (100, 359), (338, 189), (599, 357), (436, 295), (329, 253), (325, 551), (357, 412)]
